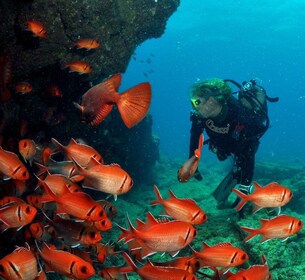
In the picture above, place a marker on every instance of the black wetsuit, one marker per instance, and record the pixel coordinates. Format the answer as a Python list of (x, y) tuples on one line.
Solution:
[(234, 133)]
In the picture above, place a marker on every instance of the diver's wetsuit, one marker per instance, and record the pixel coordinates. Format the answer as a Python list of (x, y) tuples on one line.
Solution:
[(235, 133)]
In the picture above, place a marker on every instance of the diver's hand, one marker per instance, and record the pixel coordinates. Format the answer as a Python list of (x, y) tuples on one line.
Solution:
[(197, 175)]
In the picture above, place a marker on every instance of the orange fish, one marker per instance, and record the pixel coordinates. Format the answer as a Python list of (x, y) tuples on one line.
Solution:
[(74, 233), (12, 167), (255, 272), (98, 101), (181, 209), (78, 152), (223, 255), (149, 271), (114, 272), (272, 195), (109, 207), (190, 264), (103, 225), (190, 166), (80, 67), (9, 199), (16, 215), (281, 226), (111, 179), (54, 91), (102, 251), (36, 28), (23, 87), (77, 204), (160, 237), (87, 44), (39, 232), (20, 264), (65, 263), (27, 148)]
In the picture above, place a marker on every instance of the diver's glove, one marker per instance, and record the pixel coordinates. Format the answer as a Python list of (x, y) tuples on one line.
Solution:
[(197, 175)]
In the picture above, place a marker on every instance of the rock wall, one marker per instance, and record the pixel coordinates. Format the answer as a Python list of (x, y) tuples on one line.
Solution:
[(120, 26)]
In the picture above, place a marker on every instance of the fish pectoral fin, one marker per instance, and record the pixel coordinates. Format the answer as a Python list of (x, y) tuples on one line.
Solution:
[(174, 253)]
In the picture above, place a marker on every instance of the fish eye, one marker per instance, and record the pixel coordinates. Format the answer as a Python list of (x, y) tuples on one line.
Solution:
[(24, 174), (24, 144), (197, 264), (83, 269), (28, 210), (92, 234), (103, 222), (101, 214), (299, 223), (195, 233), (243, 257)]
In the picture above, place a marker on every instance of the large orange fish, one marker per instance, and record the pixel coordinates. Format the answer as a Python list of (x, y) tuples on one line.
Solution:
[(36, 28), (223, 255), (20, 264), (181, 209), (28, 149), (272, 195), (12, 167), (16, 215), (78, 204), (80, 67), (98, 102), (151, 272), (169, 236), (255, 272), (281, 226), (188, 169), (79, 152), (87, 44), (65, 263), (111, 179)]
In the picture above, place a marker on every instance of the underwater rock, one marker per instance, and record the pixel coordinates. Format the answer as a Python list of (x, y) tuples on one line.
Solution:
[(40, 57)]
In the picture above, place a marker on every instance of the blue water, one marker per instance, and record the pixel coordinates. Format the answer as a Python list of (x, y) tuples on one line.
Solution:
[(239, 40)]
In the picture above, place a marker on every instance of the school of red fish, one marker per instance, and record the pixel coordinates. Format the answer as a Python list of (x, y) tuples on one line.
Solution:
[(61, 225)]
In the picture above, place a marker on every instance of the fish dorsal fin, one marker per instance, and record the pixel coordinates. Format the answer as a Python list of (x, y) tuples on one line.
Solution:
[(115, 80), (151, 220), (171, 194), (92, 162), (257, 185), (264, 221), (224, 244), (189, 200), (139, 223), (205, 245), (73, 142), (114, 165)]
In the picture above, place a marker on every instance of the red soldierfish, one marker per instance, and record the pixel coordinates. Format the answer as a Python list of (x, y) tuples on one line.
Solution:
[(16, 215), (20, 264), (188, 169), (223, 255), (255, 272), (181, 209), (27, 148), (12, 167), (151, 272), (78, 204), (65, 263), (169, 237), (272, 195), (79, 152), (98, 101), (111, 179), (36, 28), (281, 226)]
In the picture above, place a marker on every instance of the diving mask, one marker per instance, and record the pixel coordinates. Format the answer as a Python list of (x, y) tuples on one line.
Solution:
[(195, 103)]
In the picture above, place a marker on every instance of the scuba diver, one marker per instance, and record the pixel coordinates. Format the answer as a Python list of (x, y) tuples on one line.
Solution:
[(234, 126)]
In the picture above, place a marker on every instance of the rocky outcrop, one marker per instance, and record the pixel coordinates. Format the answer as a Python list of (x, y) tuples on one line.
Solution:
[(120, 26)]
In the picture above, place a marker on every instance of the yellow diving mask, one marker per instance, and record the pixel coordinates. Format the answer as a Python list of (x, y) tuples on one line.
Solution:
[(195, 103)]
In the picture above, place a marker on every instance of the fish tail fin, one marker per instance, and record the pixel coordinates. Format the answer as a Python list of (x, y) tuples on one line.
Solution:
[(244, 198), (159, 197), (197, 152), (78, 106), (127, 235), (46, 188), (134, 104), (253, 232)]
